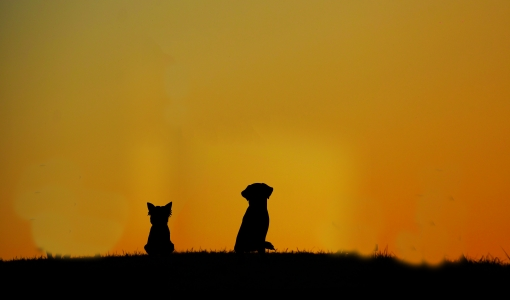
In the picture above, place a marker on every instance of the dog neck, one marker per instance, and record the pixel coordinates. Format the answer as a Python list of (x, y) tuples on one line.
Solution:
[(258, 203)]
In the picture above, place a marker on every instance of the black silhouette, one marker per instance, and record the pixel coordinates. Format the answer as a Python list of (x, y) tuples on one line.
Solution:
[(253, 231), (294, 273), (159, 237)]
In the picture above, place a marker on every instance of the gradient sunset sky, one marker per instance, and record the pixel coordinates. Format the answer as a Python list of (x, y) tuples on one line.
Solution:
[(376, 122)]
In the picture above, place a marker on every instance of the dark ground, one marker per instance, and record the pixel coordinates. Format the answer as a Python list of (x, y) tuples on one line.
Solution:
[(242, 276)]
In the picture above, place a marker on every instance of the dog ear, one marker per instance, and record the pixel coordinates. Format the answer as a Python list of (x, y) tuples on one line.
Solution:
[(245, 194), (268, 191), (151, 207)]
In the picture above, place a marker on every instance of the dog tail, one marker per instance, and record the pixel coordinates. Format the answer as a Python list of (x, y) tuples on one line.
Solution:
[(268, 245)]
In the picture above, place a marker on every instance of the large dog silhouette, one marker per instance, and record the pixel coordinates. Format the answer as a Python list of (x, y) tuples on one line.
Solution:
[(253, 231), (159, 237)]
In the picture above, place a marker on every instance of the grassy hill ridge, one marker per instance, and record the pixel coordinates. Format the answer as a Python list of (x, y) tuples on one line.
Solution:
[(205, 271)]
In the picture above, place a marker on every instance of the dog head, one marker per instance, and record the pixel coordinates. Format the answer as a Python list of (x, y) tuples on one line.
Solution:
[(257, 191), (159, 214)]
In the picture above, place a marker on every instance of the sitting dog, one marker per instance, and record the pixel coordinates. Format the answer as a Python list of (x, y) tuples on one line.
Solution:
[(253, 231), (159, 237)]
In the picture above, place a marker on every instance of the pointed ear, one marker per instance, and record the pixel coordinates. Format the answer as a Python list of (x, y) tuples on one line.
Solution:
[(150, 206), (168, 207)]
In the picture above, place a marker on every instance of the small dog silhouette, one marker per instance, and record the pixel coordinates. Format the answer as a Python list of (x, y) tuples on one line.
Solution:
[(159, 237), (253, 231)]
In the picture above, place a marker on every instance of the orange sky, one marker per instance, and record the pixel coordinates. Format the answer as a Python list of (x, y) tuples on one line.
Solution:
[(376, 122)]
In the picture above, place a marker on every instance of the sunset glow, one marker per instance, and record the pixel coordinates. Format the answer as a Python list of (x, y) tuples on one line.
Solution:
[(376, 122)]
